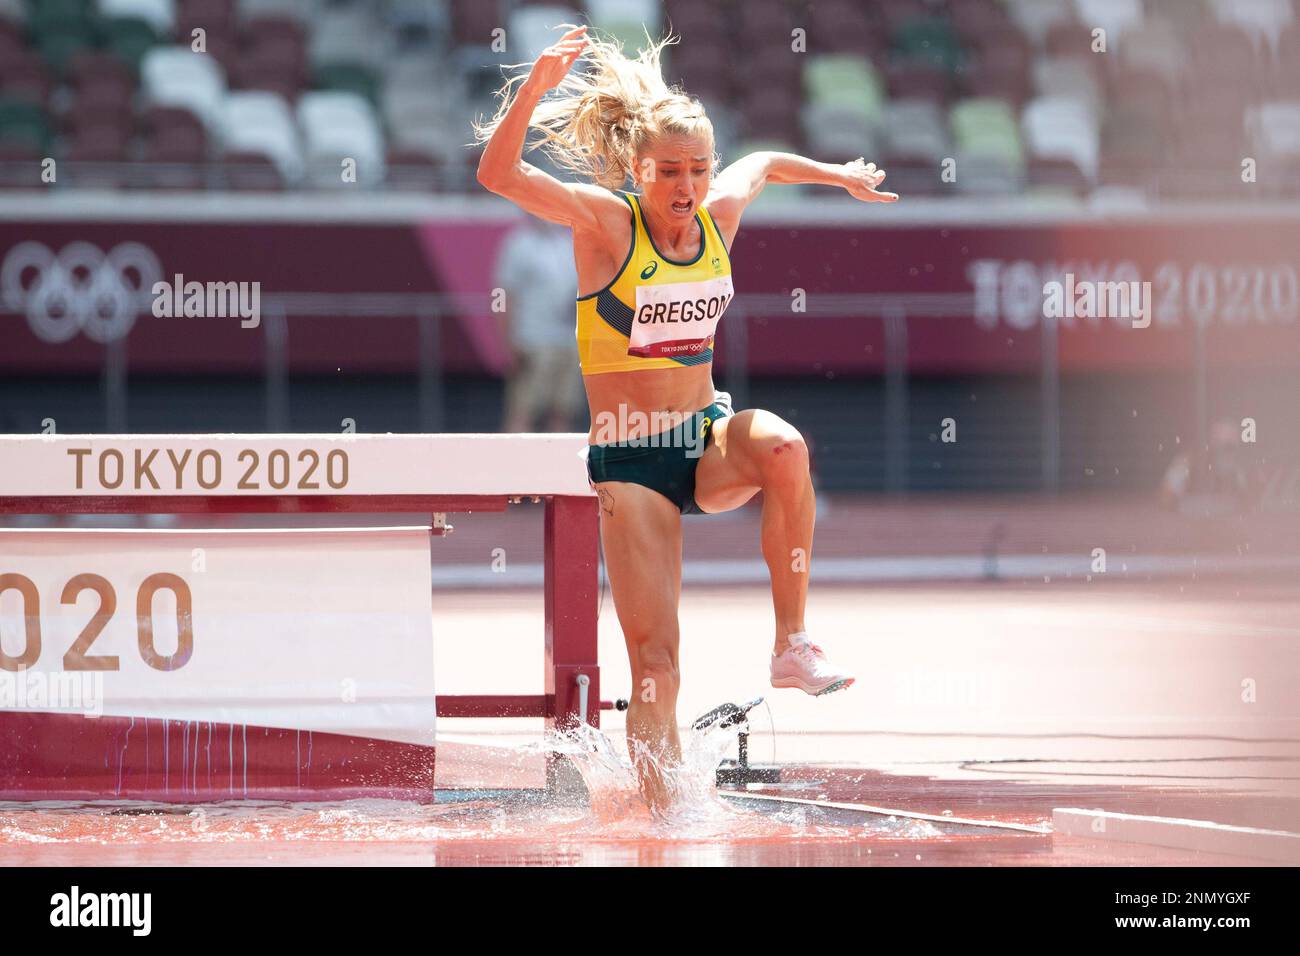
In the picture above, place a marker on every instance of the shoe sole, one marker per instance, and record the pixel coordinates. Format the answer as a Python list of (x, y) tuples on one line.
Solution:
[(831, 688)]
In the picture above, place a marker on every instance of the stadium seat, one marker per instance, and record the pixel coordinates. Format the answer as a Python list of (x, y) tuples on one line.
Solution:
[(1274, 127), (1114, 16), (699, 69), (20, 166), (130, 38), (834, 134), (1183, 14), (914, 177), (985, 128), (92, 69), (1057, 127), (335, 126), (1283, 76), (919, 79), (1069, 38), (412, 170), (928, 40), (349, 35), (772, 114), (981, 172), (1056, 177), (278, 36), (1224, 53), (209, 14), (88, 110), (59, 40), (844, 80), (1262, 19), (260, 122), (250, 172), (304, 10), (418, 24), (914, 129), (24, 124), (764, 24), (626, 20), (174, 76), (26, 77), (842, 26), (1154, 45), (159, 14), (1036, 17), (1069, 78), (348, 77), (531, 29), (1034, 106)]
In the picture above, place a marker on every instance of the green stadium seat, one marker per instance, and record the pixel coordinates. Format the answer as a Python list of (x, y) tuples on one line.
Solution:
[(348, 78), (929, 40), (59, 16), (631, 35), (129, 39), (24, 123), (844, 80), (987, 127), (57, 44)]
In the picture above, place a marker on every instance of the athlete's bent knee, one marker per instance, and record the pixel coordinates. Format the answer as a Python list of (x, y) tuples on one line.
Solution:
[(784, 456)]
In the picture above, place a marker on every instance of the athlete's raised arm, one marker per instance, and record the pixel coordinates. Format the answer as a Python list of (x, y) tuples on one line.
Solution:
[(502, 168), (740, 183)]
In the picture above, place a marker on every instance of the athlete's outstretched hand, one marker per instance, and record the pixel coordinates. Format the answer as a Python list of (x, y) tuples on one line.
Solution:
[(550, 67), (861, 180)]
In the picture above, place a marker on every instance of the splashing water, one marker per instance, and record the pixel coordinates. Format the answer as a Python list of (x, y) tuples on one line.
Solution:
[(613, 813), (615, 801)]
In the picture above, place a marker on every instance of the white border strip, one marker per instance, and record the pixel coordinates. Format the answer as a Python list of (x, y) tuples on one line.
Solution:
[(1202, 836), (822, 209), (887, 812), (1009, 567)]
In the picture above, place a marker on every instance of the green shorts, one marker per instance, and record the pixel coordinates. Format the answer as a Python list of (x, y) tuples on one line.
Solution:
[(665, 461)]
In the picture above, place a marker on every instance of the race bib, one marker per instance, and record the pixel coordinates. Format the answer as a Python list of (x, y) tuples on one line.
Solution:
[(678, 318)]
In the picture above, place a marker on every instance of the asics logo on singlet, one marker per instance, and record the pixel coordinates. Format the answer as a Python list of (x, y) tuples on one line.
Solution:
[(649, 270)]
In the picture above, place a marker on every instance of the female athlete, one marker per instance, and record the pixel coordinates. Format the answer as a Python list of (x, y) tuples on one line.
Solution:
[(654, 278)]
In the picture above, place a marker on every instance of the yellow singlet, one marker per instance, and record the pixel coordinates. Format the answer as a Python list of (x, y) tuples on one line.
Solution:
[(657, 312)]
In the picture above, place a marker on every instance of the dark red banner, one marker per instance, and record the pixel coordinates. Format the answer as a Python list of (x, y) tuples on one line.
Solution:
[(974, 298)]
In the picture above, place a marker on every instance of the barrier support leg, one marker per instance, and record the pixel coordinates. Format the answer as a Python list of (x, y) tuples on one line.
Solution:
[(571, 593)]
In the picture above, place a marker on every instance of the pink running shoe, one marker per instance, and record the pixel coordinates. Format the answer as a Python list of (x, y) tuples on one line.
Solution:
[(804, 665)]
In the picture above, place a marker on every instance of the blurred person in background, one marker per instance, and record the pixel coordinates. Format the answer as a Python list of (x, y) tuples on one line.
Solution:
[(1218, 479), (535, 268)]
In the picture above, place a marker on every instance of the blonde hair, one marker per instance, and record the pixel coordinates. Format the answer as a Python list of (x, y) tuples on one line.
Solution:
[(598, 121)]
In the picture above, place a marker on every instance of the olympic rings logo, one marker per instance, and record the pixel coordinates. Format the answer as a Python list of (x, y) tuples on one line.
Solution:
[(79, 290)]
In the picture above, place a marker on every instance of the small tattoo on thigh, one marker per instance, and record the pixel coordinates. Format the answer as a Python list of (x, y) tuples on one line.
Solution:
[(606, 501)]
